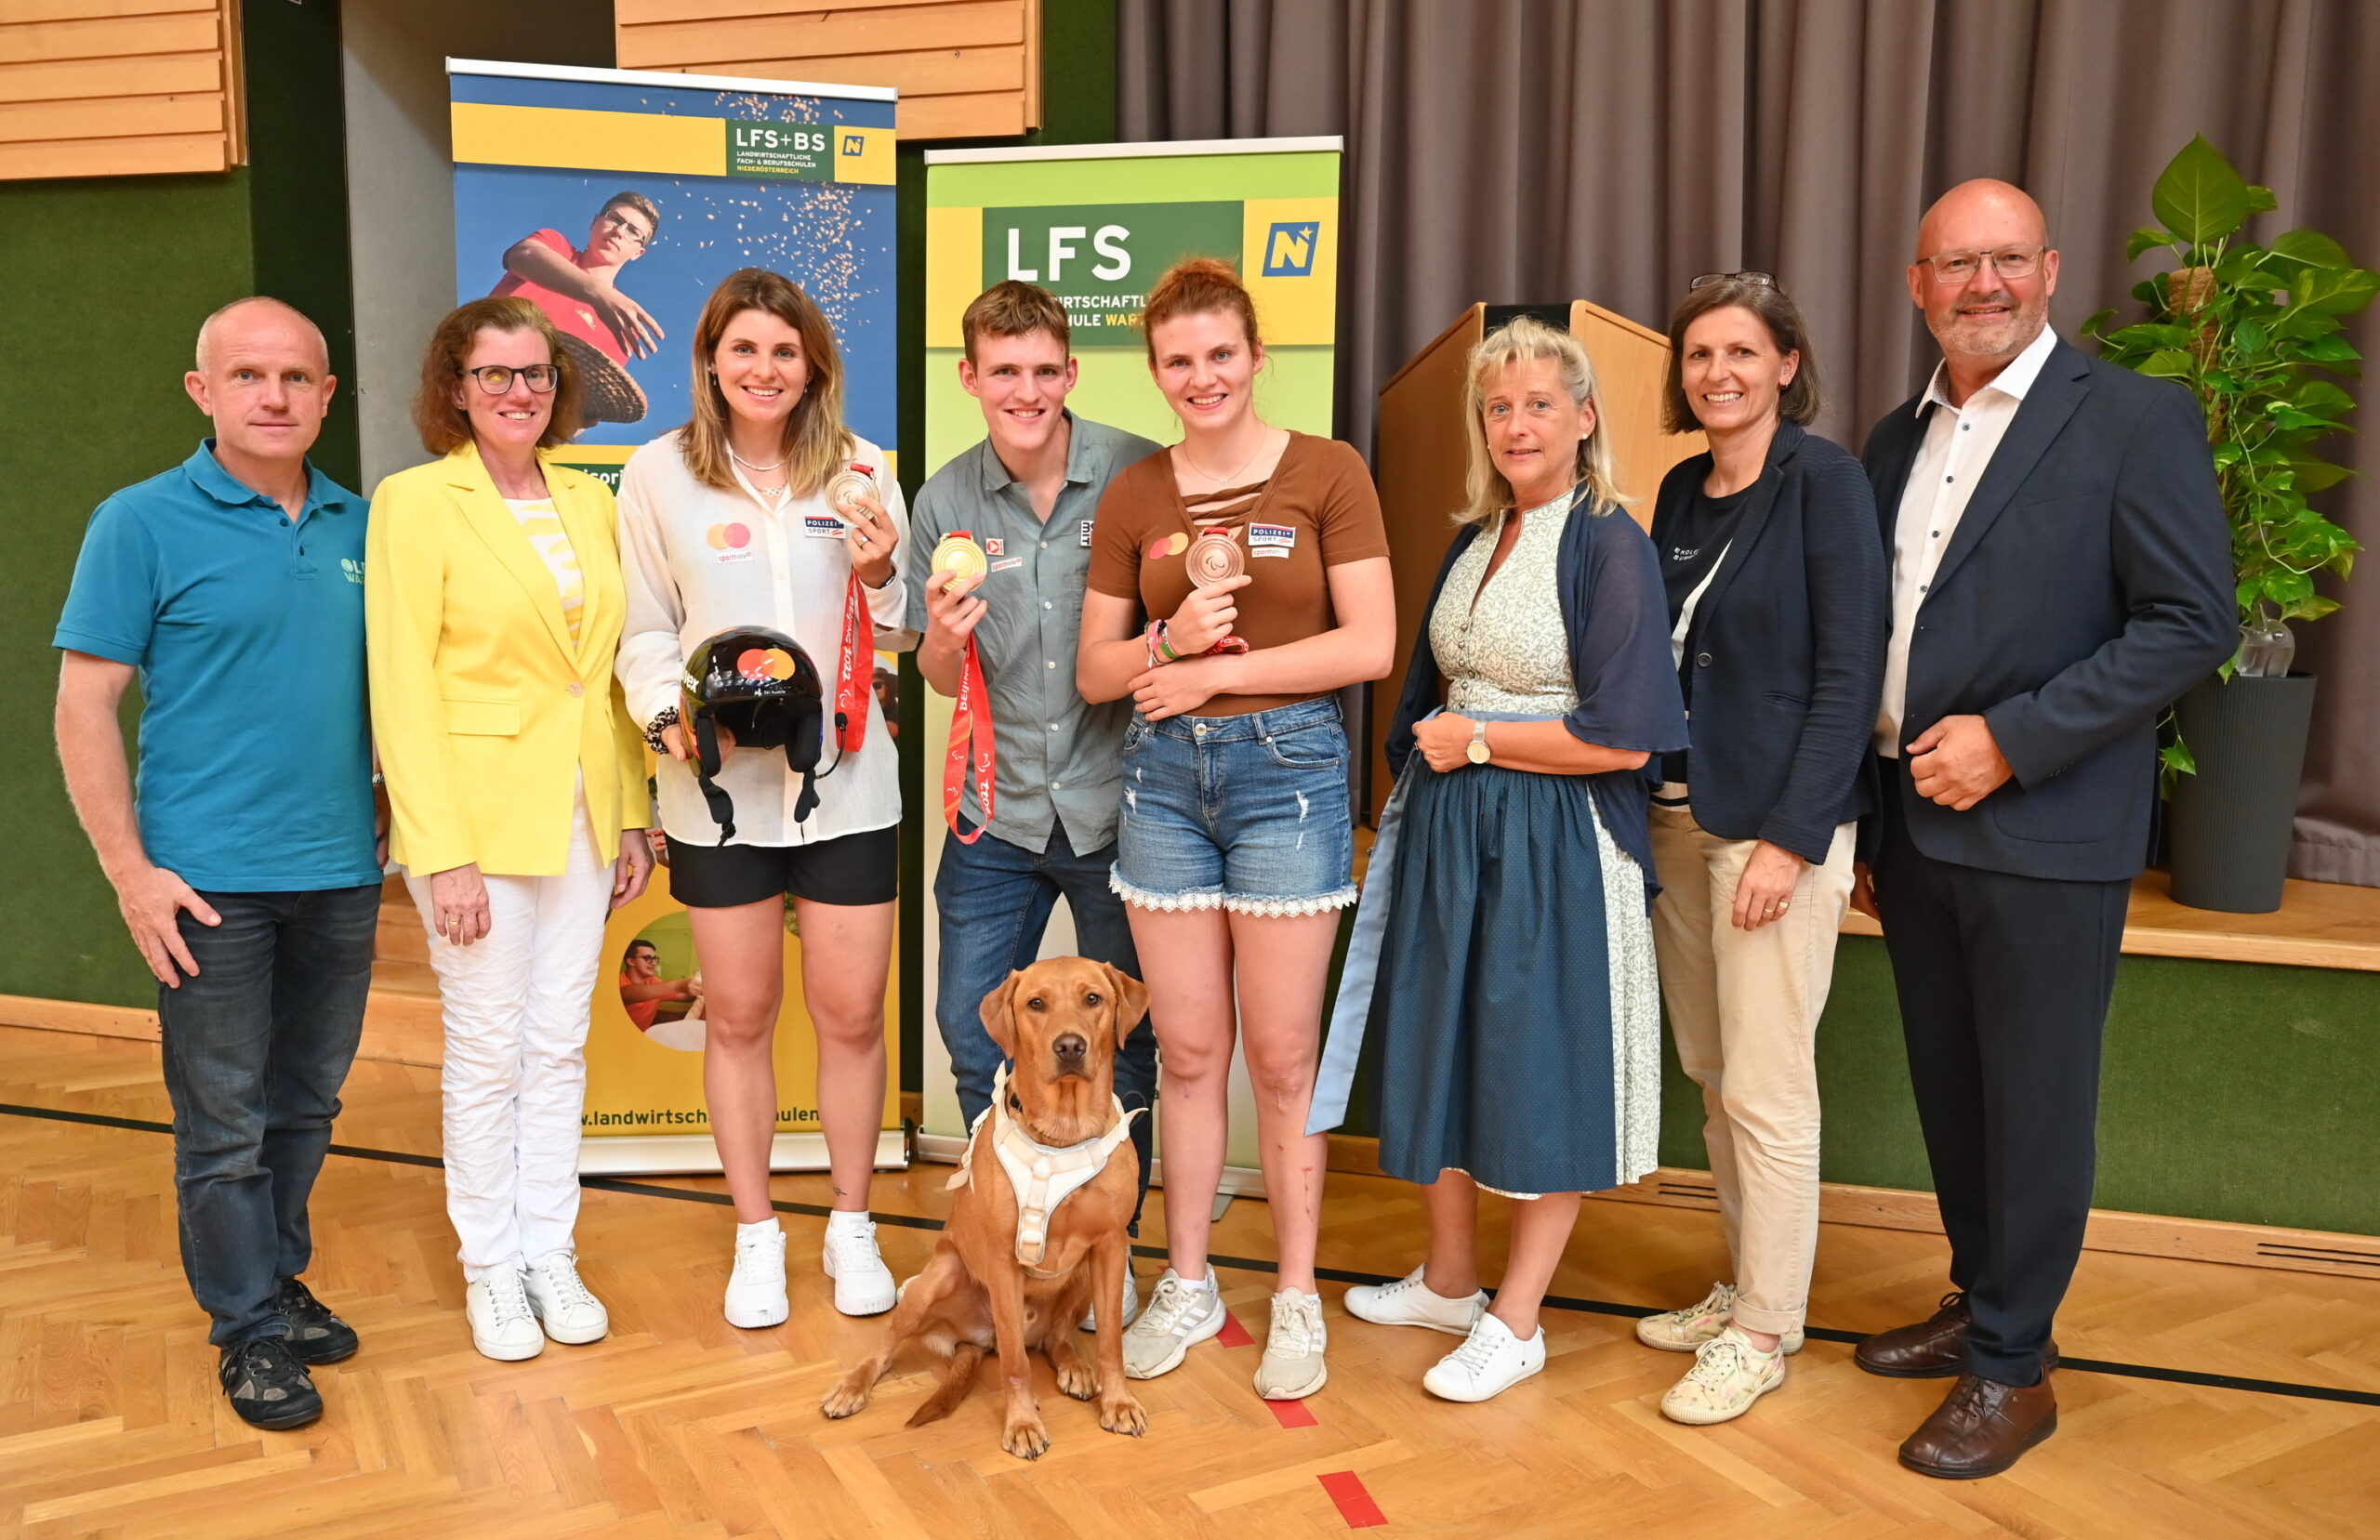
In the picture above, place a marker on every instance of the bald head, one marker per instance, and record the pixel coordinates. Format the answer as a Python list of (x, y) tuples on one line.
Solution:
[(1983, 276), (1983, 215), (245, 318)]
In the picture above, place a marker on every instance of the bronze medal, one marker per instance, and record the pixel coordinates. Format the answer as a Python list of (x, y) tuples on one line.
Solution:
[(1215, 558), (958, 557), (847, 487)]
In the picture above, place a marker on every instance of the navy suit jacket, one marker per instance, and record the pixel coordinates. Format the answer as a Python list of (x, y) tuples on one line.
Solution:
[(2088, 584), (1788, 648)]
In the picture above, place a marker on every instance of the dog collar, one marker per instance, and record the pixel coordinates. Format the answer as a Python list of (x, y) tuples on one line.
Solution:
[(1044, 1175)]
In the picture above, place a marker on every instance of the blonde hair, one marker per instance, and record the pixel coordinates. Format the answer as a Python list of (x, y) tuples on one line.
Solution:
[(1526, 339), (815, 441)]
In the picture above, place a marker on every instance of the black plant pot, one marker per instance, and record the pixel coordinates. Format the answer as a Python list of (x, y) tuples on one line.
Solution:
[(2231, 819)]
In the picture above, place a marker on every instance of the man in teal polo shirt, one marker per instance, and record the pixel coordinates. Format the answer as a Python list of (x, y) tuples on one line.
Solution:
[(245, 862)]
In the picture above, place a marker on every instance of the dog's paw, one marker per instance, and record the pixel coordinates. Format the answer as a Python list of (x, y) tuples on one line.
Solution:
[(1078, 1379), (848, 1396), (1121, 1413), (1028, 1439)]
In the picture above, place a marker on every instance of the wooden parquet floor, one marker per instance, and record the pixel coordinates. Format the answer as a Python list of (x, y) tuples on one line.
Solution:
[(679, 1425)]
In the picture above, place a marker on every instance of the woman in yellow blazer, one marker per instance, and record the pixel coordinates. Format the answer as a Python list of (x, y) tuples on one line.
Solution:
[(493, 607)]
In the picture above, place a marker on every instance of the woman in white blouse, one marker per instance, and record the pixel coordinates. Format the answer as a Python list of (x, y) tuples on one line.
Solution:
[(727, 523)]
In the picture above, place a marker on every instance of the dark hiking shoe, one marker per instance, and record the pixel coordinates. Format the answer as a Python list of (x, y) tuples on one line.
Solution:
[(315, 1335), (268, 1387)]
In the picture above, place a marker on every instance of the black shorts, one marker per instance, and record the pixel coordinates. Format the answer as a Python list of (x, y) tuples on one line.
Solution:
[(855, 869)]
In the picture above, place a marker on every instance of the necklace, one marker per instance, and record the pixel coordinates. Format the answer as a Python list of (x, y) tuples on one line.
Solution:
[(1262, 439), (748, 464)]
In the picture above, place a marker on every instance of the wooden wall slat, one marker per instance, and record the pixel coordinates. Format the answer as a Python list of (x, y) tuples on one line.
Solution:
[(200, 113), (109, 38), (964, 68), (136, 157), (119, 87), (719, 45)]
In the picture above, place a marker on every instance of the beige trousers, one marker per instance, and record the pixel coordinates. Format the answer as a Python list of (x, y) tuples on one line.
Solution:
[(1744, 1009)]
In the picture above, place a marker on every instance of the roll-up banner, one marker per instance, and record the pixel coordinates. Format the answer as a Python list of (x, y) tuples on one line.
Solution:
[(616, 200), (1096, 225)]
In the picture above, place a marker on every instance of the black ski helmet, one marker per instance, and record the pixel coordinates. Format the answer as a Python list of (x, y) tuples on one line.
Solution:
[(764, 688)]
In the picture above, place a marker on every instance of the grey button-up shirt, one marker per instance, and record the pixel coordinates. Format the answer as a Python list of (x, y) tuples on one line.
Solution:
[(1058, 755)]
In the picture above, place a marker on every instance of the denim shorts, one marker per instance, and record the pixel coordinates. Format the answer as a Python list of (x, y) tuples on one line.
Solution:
[(1246, 813)]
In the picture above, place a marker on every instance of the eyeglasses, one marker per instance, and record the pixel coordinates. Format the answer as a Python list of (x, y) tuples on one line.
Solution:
[(1957, 266), (1703, 280), (497, 379), (628, 227)]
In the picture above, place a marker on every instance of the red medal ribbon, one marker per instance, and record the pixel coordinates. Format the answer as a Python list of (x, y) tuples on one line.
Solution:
[(970, 741), (857, 680)]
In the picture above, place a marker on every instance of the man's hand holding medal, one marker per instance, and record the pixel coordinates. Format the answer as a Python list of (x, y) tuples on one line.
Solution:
[(1193, 655)]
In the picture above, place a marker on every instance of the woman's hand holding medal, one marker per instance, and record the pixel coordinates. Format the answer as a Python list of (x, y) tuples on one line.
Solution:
[(871, 536), (1206, 617)]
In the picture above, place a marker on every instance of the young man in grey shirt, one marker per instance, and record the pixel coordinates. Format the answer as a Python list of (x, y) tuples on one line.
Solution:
[(1028, 494)]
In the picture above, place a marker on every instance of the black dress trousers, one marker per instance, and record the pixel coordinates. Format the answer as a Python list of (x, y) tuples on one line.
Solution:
[(2004, 983)]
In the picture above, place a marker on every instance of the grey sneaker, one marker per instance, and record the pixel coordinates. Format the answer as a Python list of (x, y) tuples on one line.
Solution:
[(1131, 1312), (1293, 1368), (1687, 1330), (1178, 1316)]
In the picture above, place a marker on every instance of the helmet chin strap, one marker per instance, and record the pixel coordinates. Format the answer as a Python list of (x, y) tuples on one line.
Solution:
[(707, 763)]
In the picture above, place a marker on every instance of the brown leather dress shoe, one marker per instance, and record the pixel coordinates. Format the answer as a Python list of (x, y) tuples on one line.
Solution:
[(1935, 1348), (1981, 1428)]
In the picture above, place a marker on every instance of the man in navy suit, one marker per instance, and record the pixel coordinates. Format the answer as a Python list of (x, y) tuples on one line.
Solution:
[(2061, 571)]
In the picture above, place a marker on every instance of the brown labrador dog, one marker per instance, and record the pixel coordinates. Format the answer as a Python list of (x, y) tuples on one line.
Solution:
[(1061, 1020)]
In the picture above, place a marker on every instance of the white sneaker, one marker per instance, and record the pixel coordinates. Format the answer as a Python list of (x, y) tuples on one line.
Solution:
[(1291, 1368), (1490, 1361), (1179, 1317), (1730, 1374), (863, 1283), (1131, 1304), (1687, 1330), (560, 1300), (755, 1293), (1409, 1302), (502, 1325)]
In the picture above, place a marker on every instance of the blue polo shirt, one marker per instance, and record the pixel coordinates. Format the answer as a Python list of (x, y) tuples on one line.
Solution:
[(256, 744)]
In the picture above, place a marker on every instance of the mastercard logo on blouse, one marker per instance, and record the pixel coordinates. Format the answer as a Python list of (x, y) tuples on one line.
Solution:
[(730, 541)]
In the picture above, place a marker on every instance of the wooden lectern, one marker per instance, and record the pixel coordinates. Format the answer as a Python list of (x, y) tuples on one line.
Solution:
[(1422, 439)]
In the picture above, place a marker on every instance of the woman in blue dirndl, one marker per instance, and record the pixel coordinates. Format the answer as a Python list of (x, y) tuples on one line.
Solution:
[(1505, 936)]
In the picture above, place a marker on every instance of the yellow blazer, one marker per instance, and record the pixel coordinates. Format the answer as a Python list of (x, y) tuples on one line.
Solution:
[(484, 712)]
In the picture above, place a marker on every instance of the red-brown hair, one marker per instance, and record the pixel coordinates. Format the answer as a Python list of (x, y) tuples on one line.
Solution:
[(445, 427), (1199, 285)]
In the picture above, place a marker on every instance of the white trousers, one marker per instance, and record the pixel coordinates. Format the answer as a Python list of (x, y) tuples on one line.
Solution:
[(515, 1076)]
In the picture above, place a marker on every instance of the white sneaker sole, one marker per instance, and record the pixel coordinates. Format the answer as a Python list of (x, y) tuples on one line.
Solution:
[(866, 1304), (753, 1318), (1321, 1375), (1357, 1310), (1474, 1396), (573, 1337), (508, 1353), (1181, 1350)]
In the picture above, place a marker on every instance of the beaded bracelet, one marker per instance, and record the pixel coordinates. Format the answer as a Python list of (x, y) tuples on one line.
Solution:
[(660, 724)]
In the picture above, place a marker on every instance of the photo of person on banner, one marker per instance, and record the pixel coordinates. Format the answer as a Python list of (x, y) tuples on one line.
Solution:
[(579, 289)]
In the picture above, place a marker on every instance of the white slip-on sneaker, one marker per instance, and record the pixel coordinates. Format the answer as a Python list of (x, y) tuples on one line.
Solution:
[(1131, 1304), (1685, 1331), (1490, 1361), (1291, 1368), (1179, 1316), (1730, 1374), (502, 1325), (863, 1283), (1409, 1302), (561, 1301), (756, 1292)]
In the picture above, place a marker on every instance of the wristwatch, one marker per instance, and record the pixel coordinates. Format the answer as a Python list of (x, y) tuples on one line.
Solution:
[(1478, 753)]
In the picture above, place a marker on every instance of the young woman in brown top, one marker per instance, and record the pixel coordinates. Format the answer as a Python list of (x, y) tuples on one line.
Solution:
[(1236, 581)]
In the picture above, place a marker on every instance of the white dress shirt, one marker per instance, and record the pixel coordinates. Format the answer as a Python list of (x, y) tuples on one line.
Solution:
[(1958, 443), (700, 559)]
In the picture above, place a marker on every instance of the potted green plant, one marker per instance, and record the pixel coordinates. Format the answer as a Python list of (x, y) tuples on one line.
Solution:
[(2256, 333)]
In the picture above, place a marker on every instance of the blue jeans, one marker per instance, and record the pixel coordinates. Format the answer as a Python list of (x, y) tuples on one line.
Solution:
[(257, 1045), (996, 899)]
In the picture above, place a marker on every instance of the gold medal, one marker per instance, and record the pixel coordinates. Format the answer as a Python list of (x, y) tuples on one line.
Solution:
[(958, 557), (1215, 558), (847, 487)]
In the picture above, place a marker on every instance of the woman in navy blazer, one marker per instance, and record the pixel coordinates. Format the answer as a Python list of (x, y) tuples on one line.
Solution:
[(1780, 612)]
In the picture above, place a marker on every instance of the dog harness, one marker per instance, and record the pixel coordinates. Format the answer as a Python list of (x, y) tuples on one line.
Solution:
[(1044, 1175)]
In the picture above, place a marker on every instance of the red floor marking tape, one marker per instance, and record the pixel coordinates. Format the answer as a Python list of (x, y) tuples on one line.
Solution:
[(1291, 1413), (1234, 1334), (1355, 1505)]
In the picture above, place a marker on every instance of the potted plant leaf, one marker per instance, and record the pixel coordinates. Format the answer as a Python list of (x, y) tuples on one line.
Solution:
[(2256, 333)]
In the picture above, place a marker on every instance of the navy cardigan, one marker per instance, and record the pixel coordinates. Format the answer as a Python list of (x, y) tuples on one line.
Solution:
[(1617, 618), (1788, 648)]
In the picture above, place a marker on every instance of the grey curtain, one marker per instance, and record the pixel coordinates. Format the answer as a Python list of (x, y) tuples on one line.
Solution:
[(1532, 150)]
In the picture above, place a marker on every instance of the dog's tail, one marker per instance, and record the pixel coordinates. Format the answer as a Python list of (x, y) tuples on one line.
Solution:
[(958, 1378)]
